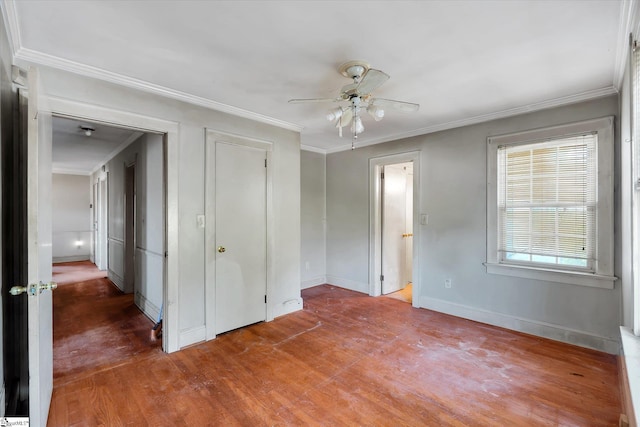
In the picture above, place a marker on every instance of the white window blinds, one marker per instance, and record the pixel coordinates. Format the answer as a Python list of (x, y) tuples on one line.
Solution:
[(547, 198)]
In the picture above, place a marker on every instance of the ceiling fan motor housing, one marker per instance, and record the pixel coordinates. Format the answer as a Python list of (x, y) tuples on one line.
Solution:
[(354, 69)]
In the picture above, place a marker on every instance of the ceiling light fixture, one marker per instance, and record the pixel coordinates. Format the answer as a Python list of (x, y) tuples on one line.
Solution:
[(359, 96), (88, 130)]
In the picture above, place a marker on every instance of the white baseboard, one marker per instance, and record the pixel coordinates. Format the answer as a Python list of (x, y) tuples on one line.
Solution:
[(71, 258), (287, 307), (313, 282), (149, 309), (631, 361), (533, 327), (117, 280), (348, 284), (192, 336)]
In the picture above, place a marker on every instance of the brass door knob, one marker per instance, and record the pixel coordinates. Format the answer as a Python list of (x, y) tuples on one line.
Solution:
[(221, 249)]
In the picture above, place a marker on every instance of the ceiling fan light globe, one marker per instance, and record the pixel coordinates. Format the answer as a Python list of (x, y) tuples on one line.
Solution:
[(376, 112), (334, 114), (357, 127)]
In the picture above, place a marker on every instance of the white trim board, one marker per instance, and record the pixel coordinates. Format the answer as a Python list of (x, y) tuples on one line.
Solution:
[(40, 58), (316, 281), (349, 284), (192, 336), (85, 257), (289, 306), (148, 308), (528, 326), (631, 354), (116, 279)]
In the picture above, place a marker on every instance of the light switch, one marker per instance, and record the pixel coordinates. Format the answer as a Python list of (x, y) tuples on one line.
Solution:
[(424, 219)]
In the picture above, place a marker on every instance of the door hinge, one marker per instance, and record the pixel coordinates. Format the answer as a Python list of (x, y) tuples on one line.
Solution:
[(381, 278), (166, 254), (265, 299), (265, 163), (382, 175)]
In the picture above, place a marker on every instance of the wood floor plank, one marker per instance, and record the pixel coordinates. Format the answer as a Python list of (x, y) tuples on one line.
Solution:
[(346, 359)]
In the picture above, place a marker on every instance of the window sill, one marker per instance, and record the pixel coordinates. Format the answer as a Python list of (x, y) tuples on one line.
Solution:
[(549, 275)]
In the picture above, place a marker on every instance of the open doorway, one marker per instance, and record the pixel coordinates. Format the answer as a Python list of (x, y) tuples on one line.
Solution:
[(394, 235), (118, 299), (396, 226)]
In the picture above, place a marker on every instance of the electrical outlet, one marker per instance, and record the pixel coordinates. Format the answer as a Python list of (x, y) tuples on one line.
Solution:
[(447, 283)]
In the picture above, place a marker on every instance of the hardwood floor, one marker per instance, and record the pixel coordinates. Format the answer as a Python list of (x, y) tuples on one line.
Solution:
[(346, 359)]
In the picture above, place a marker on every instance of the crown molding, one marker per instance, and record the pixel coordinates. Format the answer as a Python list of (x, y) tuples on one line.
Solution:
[(538, 106), (313, 149), (628, 23), (64, 171), (40, 58)]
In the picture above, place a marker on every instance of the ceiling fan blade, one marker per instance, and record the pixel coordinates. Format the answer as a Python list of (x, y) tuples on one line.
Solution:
[(407, 107), (312, 100), (346, 89), (343, 121), (372, 80)]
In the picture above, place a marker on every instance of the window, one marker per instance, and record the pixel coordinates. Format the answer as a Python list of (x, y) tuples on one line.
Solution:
[(550, 204)]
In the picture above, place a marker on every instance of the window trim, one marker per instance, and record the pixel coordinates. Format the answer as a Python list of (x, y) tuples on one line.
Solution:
[(603, 276)]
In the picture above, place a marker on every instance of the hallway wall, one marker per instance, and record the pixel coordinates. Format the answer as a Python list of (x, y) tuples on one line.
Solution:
[(71, 222)]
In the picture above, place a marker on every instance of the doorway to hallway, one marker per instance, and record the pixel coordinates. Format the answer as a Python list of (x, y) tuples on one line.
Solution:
[(394, 184), (396, 227)]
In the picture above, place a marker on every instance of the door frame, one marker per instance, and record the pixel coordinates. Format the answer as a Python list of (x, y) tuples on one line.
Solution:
[(375, 220), (130, 229), (83, 111), (211, 138)]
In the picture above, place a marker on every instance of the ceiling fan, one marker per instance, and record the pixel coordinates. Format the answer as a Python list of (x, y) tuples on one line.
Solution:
[(359, 98)]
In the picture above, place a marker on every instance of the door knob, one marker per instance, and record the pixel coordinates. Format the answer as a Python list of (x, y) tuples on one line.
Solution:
[(221, 249), (33, 289), (17, 290)]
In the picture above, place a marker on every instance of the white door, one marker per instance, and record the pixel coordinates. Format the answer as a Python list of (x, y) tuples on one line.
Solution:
[(103, 222), (408, 241), (39, 257), (240, 236), (394, 227), (96, 245)]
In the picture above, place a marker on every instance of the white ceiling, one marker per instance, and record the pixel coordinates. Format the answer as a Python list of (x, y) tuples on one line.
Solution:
[(462, 61), (76, 153)]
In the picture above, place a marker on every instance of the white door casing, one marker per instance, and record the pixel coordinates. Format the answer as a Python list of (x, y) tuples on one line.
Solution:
[(375, 219), (93, 113), (238, 219)]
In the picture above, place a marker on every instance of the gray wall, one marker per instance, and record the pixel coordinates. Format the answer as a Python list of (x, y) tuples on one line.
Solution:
[(453, 244), (115, 168), (312, 218), (192, 121), (146, 153), (149, 225), (71, 222)]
